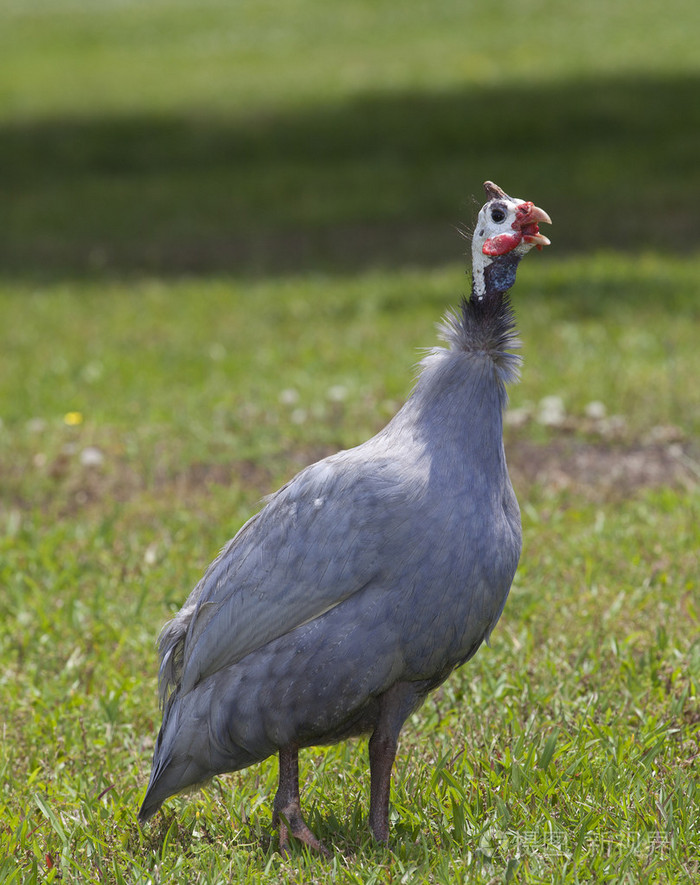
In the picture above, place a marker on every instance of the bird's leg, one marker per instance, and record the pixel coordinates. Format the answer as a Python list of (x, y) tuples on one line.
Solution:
[(287, 806), (382, 752), (395, 705)]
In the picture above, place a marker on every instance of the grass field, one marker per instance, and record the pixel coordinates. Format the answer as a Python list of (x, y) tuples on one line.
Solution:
[(228, 229)]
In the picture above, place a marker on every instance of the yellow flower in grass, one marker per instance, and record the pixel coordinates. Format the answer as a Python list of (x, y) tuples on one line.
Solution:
[(72, 419)]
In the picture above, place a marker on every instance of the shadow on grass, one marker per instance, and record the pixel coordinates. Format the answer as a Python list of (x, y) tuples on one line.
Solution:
[(380, 180)]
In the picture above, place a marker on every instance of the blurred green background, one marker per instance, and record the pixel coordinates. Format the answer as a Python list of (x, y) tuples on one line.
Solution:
[(226, 229), (266, 136)]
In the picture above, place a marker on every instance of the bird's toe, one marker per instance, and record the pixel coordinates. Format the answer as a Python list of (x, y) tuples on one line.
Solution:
[(291, 823)]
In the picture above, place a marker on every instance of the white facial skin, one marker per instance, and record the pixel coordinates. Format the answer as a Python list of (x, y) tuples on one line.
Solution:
[(504, 225), (495, 218)]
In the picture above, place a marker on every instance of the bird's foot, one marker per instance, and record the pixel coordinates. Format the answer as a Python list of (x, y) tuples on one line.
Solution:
[(291, 823)]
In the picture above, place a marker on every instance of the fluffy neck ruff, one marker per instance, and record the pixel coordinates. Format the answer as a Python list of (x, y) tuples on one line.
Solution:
[(485, 328), (485, 323)]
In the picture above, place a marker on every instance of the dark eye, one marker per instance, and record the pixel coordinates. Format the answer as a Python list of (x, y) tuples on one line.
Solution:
[(498, 215)]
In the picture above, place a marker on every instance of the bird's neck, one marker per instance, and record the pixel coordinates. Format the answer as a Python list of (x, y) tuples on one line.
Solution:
[(485, 325), (455, 413), (492, 278)]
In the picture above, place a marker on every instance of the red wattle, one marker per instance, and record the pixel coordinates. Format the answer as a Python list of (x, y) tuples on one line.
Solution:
[(502, 243)]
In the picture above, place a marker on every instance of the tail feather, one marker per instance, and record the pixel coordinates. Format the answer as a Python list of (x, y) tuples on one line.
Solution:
[(181, 758), (171, 776), (195, 743), (167, 782), (149, 807)]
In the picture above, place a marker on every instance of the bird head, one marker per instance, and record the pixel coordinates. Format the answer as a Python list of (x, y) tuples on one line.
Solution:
[(506, 229)]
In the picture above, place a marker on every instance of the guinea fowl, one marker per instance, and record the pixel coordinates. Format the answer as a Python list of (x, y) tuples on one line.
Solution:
[(367, 578)]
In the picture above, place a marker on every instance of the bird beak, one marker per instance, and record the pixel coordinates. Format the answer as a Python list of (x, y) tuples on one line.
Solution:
[(527, 220)]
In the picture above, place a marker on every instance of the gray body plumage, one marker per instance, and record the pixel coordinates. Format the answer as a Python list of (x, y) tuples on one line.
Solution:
[(378, 569), (366, 579)]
